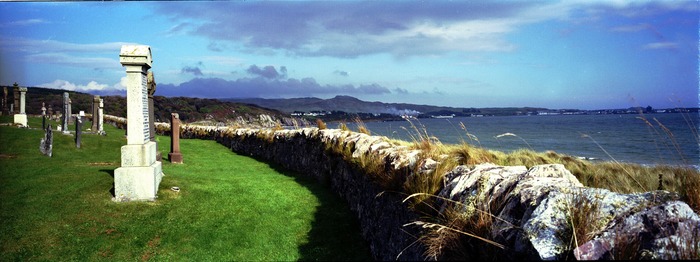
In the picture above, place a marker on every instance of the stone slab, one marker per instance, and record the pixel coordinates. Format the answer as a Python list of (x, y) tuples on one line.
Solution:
[(20, 119), (137, 182), (138, 155)]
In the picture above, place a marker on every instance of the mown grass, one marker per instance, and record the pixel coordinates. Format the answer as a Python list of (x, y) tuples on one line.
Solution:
[(229, 207)]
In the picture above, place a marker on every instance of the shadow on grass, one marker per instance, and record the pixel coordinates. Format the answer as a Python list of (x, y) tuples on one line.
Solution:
[(110, 172), (335, 232)]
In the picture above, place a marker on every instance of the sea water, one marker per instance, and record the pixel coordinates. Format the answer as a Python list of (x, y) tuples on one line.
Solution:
[(648, 139)]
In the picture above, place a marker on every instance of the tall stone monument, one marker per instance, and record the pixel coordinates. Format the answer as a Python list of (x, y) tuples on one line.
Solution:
[(21, 115), (175, 156), (5, 105), (151, 82), (101, 118), (15, 95), (140, 174), (66, 113), (95, 112), (43, 115)]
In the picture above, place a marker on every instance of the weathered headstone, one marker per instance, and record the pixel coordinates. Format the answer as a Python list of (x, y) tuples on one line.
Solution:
[(95, 113), (50, 112), (43, 115), (66, 114), (151, 82), (78, 128), (100, 118), (15, 90), (140, 174), (70, 111), (5, 105), (175, 156), (21, 115), (46, 145)]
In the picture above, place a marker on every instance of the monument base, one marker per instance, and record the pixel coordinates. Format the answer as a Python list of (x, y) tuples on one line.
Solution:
[(140, 174), (21, 120), (175, 157)]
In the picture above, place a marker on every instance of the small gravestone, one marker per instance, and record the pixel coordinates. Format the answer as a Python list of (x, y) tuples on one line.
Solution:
[(151, 83), (15, 89), (5, 105), (78, 128), (43, 116), (175, 156), (70, 111), (95, 113), (21, 115), (66, 114), (46, 145), (100, 118)]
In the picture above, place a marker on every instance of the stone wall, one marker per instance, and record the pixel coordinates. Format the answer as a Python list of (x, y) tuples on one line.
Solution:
[(532, 206)]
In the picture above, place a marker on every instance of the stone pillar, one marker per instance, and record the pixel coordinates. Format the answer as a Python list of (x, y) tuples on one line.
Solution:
[(100, 118), (15, 96), (5, 105), (70, 111), (151, 82), (95, 113), (78, 129), (66, 114), (140, 174), (175, 156), (43, 115), (21, 116)]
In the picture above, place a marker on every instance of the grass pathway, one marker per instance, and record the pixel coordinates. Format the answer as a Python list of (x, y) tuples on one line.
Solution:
[(230, 207)]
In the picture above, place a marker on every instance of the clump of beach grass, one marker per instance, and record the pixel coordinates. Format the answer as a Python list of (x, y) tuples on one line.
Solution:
[(320, 124)]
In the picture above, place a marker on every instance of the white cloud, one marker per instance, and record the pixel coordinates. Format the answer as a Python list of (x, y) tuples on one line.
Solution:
[(65, 85), (39, 46), (121, 85), (77, 61), (25, 22), (661, 45)]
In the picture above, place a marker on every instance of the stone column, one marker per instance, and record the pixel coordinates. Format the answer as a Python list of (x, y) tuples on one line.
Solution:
[(70, 111), (140, 174), (66, 114), (151, 82), (175, 156), (100, 118), (15, 96), (95, 113), (78, 129), (5, 105), (21, 116), (43, 115)]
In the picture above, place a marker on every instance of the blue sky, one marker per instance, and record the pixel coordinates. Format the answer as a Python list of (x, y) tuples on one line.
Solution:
[(568, 54)]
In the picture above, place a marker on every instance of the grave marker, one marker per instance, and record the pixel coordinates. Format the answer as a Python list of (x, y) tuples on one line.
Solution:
[(140, 174), (66, 114), (100, 118), (78, 128), (43, 116), (95, 113), (21, 115), (15, 96), (46, 145), (175, 156), (5, 105)]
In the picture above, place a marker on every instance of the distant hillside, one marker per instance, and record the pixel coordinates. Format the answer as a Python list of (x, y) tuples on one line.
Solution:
[(350, 104), (189, 109)]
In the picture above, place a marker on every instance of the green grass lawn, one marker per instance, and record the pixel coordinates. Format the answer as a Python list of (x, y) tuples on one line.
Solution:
[(230, 207)]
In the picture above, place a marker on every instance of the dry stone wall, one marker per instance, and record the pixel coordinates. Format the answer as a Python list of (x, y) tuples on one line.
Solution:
[(533, 206)]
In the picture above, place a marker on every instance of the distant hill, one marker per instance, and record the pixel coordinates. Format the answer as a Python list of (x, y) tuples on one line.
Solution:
[(350, 104), (189, 109)]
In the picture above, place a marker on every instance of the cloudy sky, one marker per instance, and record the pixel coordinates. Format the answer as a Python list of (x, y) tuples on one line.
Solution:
[(568, 54)]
